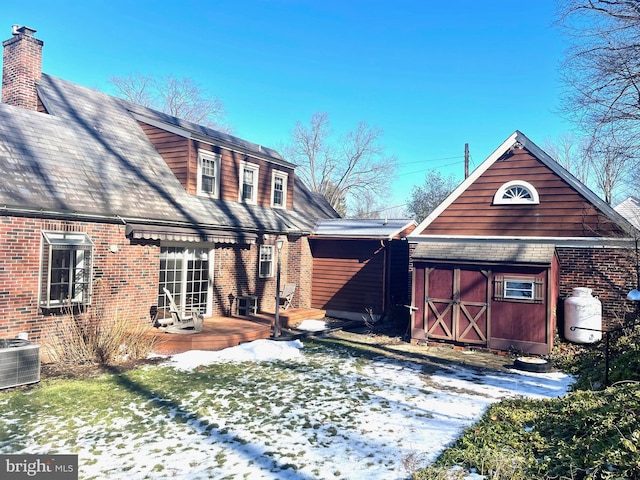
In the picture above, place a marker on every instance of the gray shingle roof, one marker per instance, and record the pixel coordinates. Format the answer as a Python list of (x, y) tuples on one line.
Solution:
[(479, 252), (89, 156), (630, 209), (361, 227)]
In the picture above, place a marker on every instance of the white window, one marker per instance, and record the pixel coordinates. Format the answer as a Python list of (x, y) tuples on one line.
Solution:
[(519, 289), (279, 190), (522, 289), (248, 183), (65, 269), (209, 174), (186, 273), (265, 267), (516, 192)]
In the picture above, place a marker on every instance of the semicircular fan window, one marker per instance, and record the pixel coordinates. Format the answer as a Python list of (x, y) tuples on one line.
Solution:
[(516, 192)]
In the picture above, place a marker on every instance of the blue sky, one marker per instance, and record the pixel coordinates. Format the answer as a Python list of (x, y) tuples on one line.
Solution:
[(433, 75)]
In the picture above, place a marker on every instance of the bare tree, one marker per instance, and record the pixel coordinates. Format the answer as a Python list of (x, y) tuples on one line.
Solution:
[(568, 151), (346, 171), (602, 74), (612, 160), (426, 198), (179, 97)]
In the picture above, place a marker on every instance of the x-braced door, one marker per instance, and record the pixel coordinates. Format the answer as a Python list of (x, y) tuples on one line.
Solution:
[(456, 302)]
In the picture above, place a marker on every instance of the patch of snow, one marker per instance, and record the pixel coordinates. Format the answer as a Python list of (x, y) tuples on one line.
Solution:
[(312, 325), (338, 418), (257, 351)]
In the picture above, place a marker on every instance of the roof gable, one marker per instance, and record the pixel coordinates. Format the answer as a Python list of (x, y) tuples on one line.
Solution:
[(567, 208)]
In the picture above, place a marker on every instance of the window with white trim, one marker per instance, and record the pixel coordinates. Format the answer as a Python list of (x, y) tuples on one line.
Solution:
[(186, 273), (516, 192), (209, 174), (265, 267), (66, 263), (248, 191), (279, 190), (523, 289)]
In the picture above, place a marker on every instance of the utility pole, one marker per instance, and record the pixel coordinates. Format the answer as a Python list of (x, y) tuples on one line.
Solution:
[(466, 160)]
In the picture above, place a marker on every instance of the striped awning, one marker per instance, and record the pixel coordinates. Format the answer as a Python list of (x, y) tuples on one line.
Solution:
[(187, 234)]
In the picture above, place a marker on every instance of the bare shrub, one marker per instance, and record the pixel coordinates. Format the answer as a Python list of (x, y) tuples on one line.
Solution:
[(99, 338)]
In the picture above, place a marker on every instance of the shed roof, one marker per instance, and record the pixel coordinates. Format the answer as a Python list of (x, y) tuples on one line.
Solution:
[(486, 253), (363, 228)]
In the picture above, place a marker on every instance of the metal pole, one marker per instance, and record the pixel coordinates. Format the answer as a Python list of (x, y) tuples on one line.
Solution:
[(276, 325)]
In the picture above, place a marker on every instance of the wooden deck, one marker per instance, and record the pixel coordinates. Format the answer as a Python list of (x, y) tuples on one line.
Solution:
[(219, 333)]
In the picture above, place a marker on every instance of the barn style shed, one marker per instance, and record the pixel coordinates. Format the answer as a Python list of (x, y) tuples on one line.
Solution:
[(494, 261), (495, 295)]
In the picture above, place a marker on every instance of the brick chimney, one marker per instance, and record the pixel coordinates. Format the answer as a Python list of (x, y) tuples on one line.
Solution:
[(21, 68)]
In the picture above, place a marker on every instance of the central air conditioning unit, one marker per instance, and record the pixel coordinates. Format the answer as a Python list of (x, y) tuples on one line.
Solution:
[(19, 362)]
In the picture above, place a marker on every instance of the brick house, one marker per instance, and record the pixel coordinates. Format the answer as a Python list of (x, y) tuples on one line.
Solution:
[(493, 263), (104, 203)]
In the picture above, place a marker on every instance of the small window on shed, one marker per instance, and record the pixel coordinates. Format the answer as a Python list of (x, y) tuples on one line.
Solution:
[(516, 192), (519, 289)]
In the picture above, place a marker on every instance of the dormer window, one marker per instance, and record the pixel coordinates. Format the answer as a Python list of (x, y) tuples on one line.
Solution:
[(248, 190), (208, 174), (516, 192), (279, 190)]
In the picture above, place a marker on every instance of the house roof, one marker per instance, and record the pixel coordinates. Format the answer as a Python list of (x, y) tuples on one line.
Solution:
[(518, 139), (630, 209), (89, 158), (193, 130), (489, 253), (362, 228)]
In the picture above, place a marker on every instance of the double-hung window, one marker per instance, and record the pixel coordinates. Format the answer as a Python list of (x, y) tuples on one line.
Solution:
[(248, 183), (208, 174), (279, 190), (66, 262), (266, 261)]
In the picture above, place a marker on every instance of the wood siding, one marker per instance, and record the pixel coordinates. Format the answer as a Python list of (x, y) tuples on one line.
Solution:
[(174, 149), (562, 211), (181, 154), (348, 275), (515, 323)]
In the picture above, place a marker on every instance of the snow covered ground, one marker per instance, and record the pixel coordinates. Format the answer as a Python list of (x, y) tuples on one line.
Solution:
[(335, 417)]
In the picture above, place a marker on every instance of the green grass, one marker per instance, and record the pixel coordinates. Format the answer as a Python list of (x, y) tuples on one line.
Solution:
[(593, 433)]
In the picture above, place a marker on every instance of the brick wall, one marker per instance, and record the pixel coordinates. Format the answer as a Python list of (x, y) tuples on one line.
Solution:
[(299, 267), (610, 272), (236, 275), (22, 68), (117, 290)]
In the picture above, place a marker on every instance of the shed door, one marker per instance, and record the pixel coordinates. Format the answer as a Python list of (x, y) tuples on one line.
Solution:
[(456, 302)]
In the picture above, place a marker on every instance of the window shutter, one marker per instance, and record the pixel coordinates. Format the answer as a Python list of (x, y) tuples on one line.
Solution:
[(498, 287), (538, 290)]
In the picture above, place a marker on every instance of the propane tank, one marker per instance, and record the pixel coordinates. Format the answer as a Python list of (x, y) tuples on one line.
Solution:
[(584, 312)]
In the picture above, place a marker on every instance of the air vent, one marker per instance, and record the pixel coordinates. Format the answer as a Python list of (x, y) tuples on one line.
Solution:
[(19, 362)]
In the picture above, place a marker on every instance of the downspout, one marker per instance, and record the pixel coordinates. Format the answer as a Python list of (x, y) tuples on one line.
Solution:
[(386, 294)]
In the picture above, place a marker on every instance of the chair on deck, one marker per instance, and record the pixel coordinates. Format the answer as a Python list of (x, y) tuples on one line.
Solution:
[(179, 324), (286, 295)]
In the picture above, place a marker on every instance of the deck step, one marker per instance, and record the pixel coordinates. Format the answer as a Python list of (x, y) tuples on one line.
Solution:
[(292, 317)]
